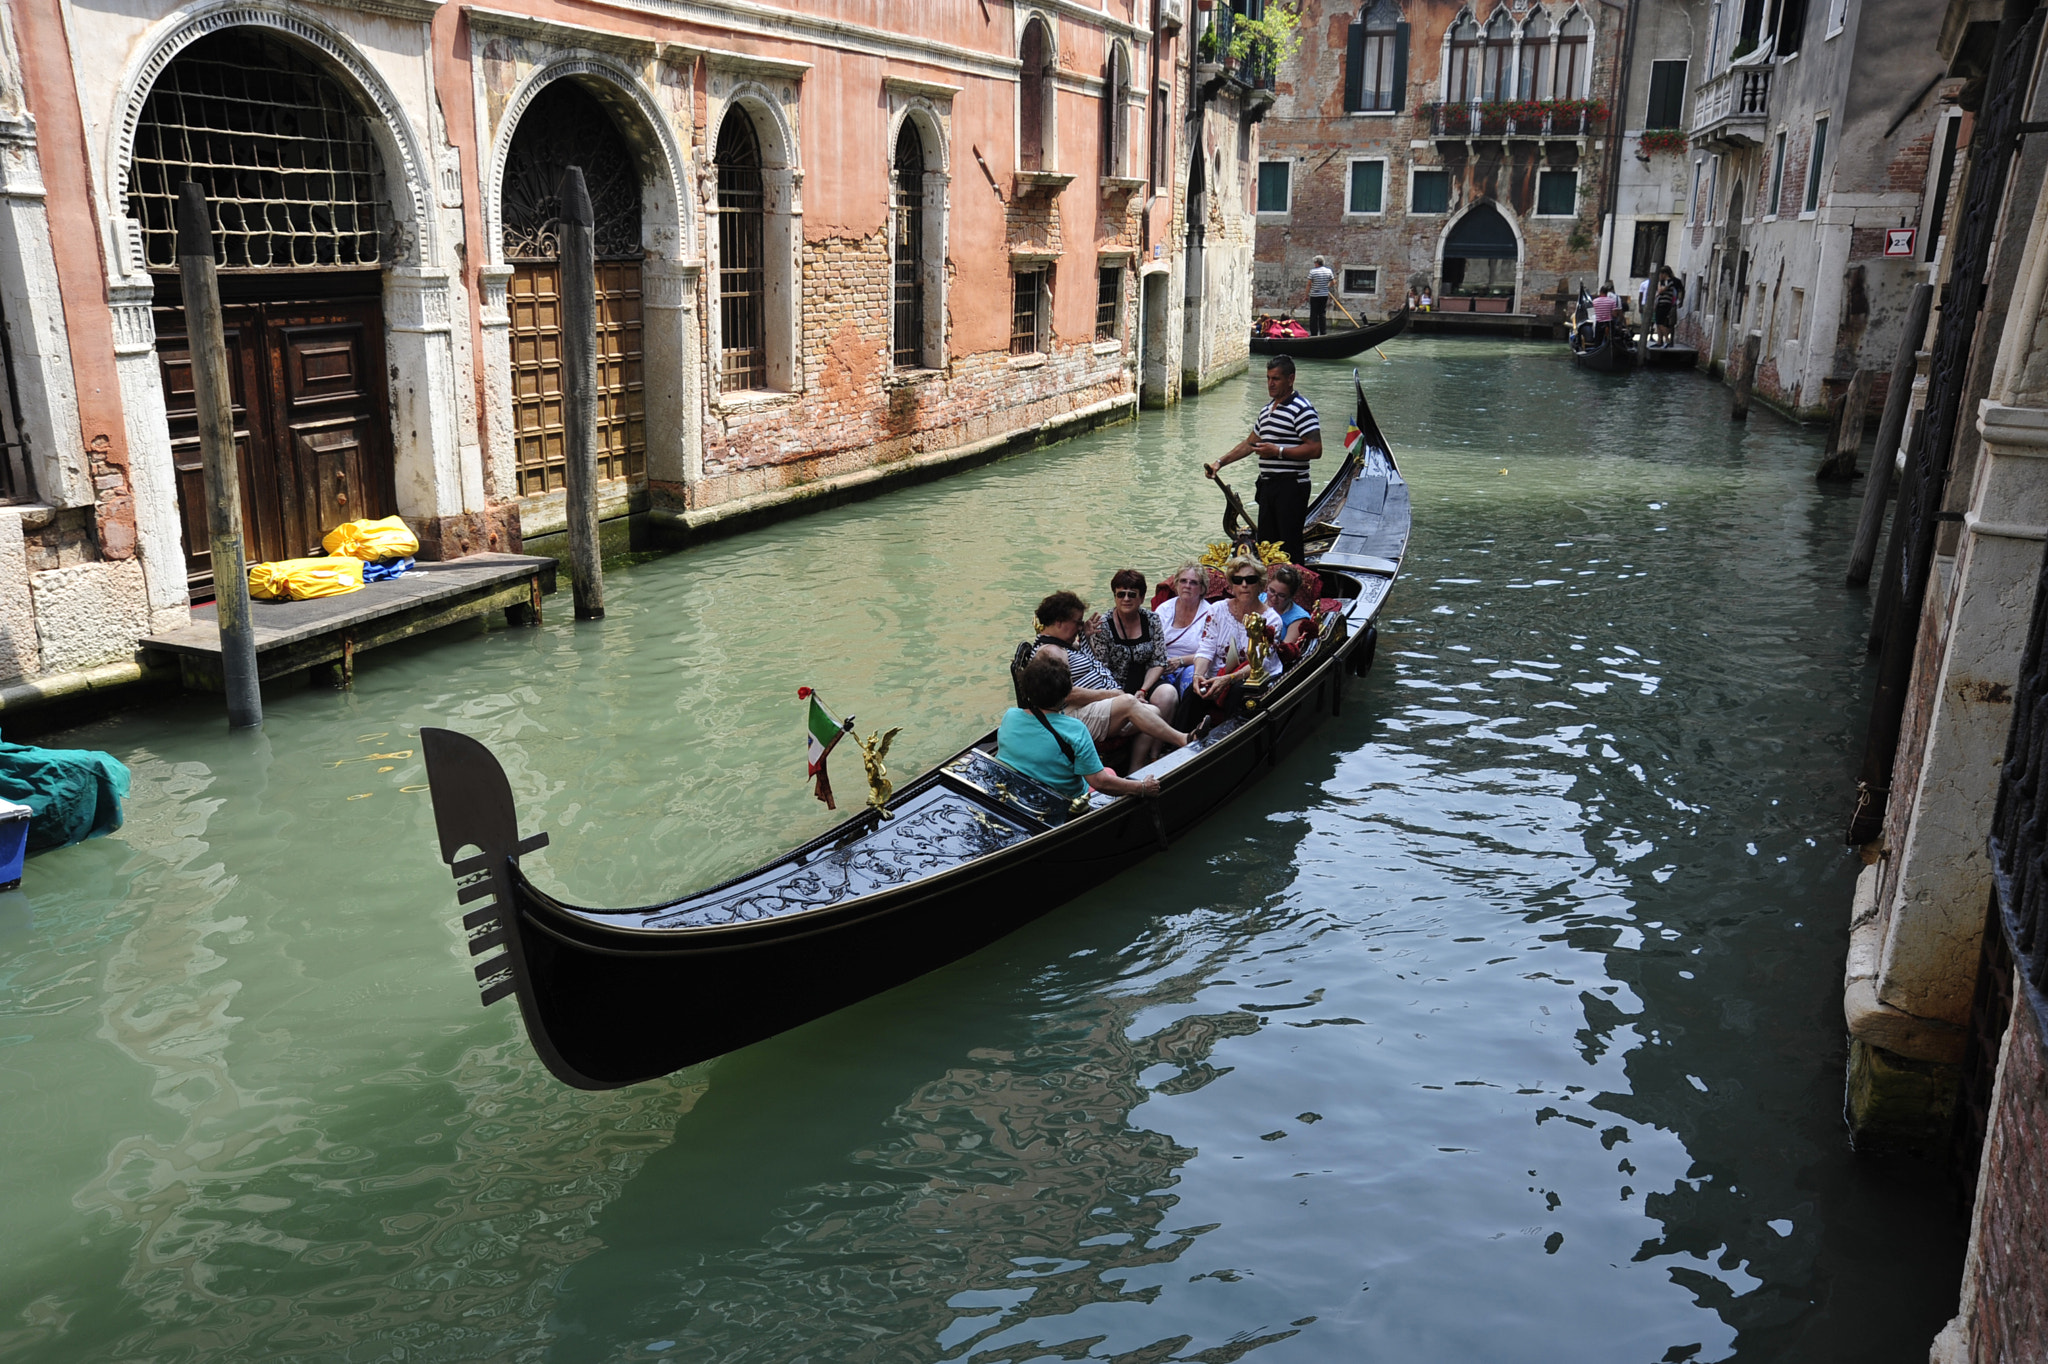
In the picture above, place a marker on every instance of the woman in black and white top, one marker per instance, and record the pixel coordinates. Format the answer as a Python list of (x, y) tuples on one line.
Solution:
[(1131, 643)]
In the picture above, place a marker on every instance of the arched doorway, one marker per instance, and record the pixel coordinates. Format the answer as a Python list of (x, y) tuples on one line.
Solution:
[(302, 229), (565, 126), (1481, 254)]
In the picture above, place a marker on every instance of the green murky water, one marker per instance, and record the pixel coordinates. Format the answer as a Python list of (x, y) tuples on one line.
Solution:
[(1502, 1022)]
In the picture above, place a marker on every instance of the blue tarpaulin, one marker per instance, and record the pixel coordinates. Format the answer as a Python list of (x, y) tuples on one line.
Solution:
[(75, 792)]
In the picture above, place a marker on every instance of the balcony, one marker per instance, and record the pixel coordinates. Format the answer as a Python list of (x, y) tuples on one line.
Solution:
[(1486, 119), (1732, 110)]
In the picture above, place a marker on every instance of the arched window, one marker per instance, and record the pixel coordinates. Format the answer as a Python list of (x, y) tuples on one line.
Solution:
[(907, 247), (1533, 71), (742, 257), (1376, 65), (1034, 98), (1574, 53), (1116, 113), (1461, 73), (1498, 58)]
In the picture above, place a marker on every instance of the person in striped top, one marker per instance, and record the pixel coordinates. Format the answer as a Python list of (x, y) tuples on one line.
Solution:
[(1285, 437)]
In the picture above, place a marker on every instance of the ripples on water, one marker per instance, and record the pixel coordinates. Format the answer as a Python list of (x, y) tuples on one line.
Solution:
[(1500, 1022)]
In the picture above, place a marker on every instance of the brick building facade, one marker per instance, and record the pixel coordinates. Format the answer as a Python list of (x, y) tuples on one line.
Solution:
[(1432, 145), (1817, 130), (835, 239)]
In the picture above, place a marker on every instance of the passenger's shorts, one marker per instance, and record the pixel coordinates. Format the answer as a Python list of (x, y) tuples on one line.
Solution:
[(1667, 313), (1095, 715)]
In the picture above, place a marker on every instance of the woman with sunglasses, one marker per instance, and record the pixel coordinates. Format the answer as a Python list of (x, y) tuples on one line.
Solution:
[(1226, 660), (1132, 644)]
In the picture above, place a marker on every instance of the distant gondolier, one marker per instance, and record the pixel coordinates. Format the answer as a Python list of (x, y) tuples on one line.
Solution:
[(1285, 437), (1319, 280)]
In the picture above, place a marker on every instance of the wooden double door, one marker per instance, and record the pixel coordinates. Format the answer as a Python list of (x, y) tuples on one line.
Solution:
[(312, 420)]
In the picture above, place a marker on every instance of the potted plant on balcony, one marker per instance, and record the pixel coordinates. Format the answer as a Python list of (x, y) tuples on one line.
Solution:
[(1260, 43), (1662, 140)]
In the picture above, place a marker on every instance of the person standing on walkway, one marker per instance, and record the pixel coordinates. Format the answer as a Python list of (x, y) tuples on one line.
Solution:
[(1285, 437), (1319, 280)]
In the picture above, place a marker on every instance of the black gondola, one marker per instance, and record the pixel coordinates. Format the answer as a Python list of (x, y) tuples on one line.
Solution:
[(611, 997), (1332, 345), (1611, 355)]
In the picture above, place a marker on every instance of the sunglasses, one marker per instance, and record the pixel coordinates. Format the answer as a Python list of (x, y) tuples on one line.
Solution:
[(1254, 578), (1132, 593)]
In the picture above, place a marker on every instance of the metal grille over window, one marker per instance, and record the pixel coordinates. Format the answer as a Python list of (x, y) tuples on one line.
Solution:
[(909, 247), (281, 151), (566, 126), (1024, 312), (742, 257), (1109, 300)]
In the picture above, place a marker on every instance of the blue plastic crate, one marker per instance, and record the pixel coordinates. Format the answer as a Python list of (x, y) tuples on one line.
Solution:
[(13, 842)]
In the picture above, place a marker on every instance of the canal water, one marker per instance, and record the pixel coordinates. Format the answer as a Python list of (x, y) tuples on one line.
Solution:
[(1501, 1022)]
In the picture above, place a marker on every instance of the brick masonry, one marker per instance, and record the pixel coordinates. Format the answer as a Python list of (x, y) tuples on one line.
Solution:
[(2010, 1280)]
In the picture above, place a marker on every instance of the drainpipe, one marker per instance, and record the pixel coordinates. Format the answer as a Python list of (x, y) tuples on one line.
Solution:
[(1612, 190)]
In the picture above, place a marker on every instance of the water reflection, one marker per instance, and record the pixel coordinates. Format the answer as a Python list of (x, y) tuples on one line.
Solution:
[(1499, 1022)]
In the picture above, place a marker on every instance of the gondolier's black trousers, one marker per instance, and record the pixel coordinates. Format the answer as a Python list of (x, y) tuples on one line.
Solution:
[(1283, 505), (1318, 315)]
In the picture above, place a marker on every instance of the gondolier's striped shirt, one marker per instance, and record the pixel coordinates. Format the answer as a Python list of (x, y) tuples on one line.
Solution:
[(1285, 424)]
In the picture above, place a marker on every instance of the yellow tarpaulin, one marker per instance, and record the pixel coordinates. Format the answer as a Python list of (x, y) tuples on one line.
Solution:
[(299, 579), (389, 538)]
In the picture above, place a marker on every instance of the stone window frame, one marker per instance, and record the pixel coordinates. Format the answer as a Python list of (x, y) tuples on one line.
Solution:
[(1048, 90), (1350, 175), (1536, 209), (928, 104), (1816, 166), (1414, 212), (1775, 200), (769, 90), (1117, 87), (1344, 281), (1838, 18), (1041, 263), (1259, 186)]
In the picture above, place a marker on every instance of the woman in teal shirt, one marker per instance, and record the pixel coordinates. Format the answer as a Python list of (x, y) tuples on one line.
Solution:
[(1053, 748)]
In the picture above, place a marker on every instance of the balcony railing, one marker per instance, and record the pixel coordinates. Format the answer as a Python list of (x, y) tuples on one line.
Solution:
[(1518, 118), (1733, 108)]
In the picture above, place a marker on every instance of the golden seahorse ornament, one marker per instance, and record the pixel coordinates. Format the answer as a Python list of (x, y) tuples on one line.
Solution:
[(1258, 649), (873, 750)]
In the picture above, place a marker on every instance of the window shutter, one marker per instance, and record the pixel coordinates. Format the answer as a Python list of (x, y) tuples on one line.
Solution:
[(1400, 68), (1354, 69)]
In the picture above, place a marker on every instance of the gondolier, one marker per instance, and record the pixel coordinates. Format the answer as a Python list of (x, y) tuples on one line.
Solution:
[(1285, 437), (1319, 280)]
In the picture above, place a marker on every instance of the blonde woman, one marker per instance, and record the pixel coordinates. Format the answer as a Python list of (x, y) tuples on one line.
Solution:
[(1225, 661)]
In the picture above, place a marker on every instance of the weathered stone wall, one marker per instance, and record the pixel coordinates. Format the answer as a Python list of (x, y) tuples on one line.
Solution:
[(2005, 1308)]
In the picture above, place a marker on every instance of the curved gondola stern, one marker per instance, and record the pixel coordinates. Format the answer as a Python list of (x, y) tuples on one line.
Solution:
[(473, 808)]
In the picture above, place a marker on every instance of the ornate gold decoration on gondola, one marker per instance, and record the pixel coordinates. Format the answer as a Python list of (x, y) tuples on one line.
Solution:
[(873, 749), (1258, 651)]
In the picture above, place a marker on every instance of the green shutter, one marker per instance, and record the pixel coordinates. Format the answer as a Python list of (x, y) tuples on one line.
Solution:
[(1354, 69), (1400, 68)]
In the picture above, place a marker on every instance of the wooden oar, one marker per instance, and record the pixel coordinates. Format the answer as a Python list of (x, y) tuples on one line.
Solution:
[(1344, 310)]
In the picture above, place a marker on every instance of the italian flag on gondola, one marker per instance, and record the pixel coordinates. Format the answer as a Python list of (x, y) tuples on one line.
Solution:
[(823, 732)]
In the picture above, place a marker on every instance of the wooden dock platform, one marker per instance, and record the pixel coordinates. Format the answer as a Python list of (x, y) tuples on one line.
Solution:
[(296, 636), (1670, 357)]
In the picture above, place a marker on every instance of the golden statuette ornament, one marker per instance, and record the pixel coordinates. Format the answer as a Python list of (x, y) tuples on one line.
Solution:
[(873, 750), (1258, 649)]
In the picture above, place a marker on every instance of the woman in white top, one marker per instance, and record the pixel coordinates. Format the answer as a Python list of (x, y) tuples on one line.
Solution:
[(1224, 662), (1186, 622)]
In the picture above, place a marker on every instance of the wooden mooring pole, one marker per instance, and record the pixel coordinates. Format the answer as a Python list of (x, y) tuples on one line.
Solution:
[(1890, 429), (579, 391), (217, 453), (1845, 430), (1745, 377)]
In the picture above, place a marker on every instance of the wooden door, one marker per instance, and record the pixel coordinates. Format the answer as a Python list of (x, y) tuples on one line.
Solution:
[(311, 419), (533, 297)]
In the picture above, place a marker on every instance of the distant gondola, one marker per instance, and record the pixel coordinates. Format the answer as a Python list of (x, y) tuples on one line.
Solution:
[(1613, 355), (973, 851), (1331, 345)]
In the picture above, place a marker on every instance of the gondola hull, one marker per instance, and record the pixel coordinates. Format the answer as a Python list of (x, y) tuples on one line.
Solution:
[(1332, 345), (1612, 356), (611, 997)]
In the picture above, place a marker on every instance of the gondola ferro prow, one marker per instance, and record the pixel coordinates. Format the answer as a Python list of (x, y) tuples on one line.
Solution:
[(473, 808), (1237, 522)]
